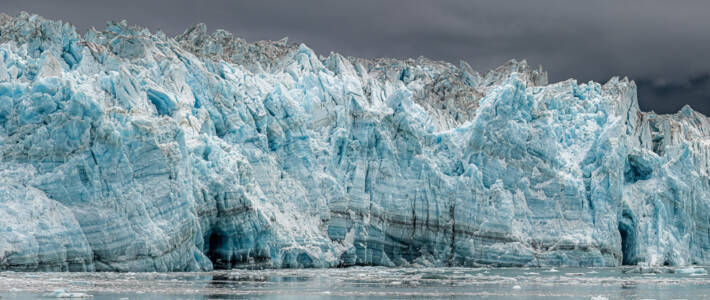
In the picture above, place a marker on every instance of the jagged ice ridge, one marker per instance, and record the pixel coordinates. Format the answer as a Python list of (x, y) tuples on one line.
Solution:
[(126, 150)]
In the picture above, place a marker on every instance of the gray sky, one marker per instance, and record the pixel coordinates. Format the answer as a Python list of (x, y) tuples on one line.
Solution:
[(663, 45)]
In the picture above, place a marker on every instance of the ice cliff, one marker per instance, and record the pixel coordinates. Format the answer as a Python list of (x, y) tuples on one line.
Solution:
[(126, 150)]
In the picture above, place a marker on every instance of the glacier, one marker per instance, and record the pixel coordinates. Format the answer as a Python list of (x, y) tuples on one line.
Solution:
[(127, 150)]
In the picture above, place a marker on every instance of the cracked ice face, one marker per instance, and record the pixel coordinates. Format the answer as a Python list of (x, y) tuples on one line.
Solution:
[(127, 150)]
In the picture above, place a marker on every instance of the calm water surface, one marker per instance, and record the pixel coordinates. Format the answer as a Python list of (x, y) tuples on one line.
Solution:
[(369, 282)]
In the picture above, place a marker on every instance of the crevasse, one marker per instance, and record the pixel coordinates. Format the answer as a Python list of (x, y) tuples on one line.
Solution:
[(126, 150)]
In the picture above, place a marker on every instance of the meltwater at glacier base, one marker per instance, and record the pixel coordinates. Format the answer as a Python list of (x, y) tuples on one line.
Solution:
[(128, 150)]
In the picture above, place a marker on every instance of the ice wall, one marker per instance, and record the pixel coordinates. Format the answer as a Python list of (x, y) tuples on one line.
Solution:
[(126, 150)]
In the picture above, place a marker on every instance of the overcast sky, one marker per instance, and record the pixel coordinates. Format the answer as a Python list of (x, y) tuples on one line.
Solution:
[(663, 45)]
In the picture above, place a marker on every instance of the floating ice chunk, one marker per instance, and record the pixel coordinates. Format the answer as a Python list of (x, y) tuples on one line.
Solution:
[(643, 270), (63, 294), (692, 271)]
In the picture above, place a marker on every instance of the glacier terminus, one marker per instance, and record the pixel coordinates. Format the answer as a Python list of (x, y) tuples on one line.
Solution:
[(128, 150)]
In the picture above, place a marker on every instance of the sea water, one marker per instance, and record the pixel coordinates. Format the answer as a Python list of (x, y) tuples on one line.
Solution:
[(369, 282)]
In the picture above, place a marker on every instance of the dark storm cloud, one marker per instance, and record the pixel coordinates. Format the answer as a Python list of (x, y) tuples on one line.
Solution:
[(671, 96), (664, 45)]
